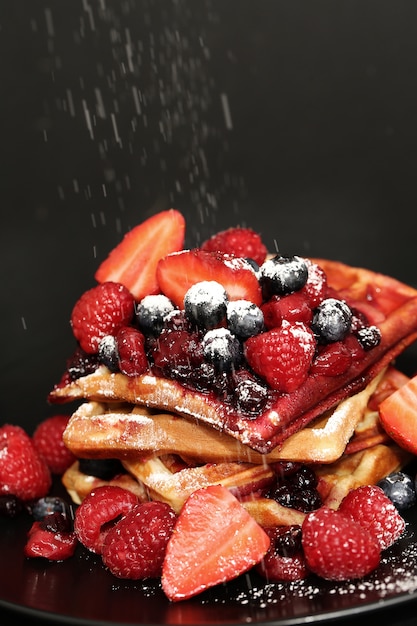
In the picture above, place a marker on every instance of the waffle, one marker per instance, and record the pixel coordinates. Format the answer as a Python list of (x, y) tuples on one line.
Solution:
[(124, 430)]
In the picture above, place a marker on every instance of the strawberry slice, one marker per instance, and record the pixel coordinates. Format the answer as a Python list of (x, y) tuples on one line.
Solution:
[(133, 261), (214, 541), (177, 272), (398, 415)]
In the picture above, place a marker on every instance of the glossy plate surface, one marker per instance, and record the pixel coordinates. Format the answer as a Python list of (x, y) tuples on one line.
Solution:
[(80, 591)]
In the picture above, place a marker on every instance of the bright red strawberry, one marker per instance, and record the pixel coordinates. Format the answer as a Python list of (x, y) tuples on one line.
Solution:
[(282, 356), (101, 311), (393, 379), (336, 547), (294, 307), (398, 415), (49, 542), (285, 559), (176, 273), (49, 443), (131, 350), (374, 511), (214, 541), (23, 471), (242, 242), (135, 547), (133, 261), (99, 511)]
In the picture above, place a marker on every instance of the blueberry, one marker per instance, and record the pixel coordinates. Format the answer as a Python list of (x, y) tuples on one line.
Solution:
[(244, 318), (332, 320), (222, 349), (400, 489), (151, 312), (205, 303), (282, 274), (105, 469), (49, 505), (108, 353)]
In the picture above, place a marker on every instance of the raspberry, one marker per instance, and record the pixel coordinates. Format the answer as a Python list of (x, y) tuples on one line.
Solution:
[(23, 471), (131, 350), (373, 510), (49, 443), (282, 356), (294, 308), (98, 512), (337, 547), (315, 288), (101, 311), (241, 242), (285, 559), (135, 547)]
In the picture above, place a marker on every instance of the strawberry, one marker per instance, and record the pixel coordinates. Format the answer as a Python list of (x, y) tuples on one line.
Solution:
[(282, 356), (48, 441), (133, 261), (101, 311), (337, 547), (24, 473), (398, 415), (50, 539), (135, 547), (214, 541), (99, 511), (373, 510), (241, 242), (176, 273)]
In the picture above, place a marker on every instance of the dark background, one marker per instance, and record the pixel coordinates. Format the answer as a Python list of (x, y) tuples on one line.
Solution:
[(113, 110)]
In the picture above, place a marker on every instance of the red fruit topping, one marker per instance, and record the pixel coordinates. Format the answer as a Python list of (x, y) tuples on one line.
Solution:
[(99, 511), (101, 311), (131, 350), (23, 471), (48, 441), (285, 559), (176, 273), (133, 261), (135, 547), (45, 543), (398, 415), (242, 242), (315, 288), (214, 541), (176, 348), (336, 547), (374, 511), (332, 359), (282, 356), (393, 379), (294, 307)]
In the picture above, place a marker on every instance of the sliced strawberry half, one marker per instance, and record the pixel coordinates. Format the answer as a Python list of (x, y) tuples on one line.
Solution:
[(133, 261), (177, 272), (214, 541), (398, 415)]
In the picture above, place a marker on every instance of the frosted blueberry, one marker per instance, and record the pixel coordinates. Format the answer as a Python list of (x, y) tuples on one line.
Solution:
[(151, 312), (282, 274), (108, 353), (332, 320), (222, 349), (205, 303), (244, 318)]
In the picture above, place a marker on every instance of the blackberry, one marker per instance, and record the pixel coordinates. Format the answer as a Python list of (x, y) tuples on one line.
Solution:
[(332, 320), (369, 337), (296, 488), (108, 353), (282, 274), (205, 304), (244, 318), (151, 312), (11, 506), (81, 364), (251, 397), (222, 348), (286, 540)]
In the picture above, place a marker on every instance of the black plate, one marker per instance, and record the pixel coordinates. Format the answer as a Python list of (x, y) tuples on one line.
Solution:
[(80, 590)]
